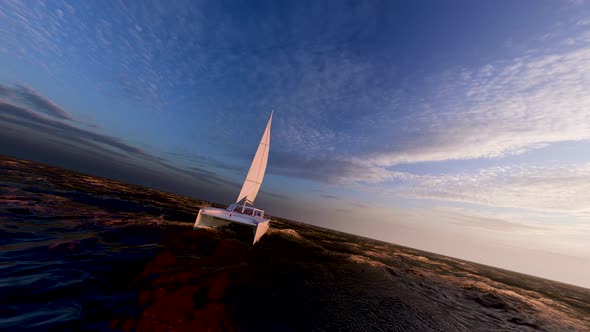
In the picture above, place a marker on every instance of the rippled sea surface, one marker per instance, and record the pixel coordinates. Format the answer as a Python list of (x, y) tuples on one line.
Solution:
[(79, 252)]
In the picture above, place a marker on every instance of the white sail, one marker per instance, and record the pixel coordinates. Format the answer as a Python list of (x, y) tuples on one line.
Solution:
[(257, 169)]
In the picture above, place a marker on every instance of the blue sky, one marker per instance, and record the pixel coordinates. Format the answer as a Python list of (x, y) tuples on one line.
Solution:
[(457, 127)]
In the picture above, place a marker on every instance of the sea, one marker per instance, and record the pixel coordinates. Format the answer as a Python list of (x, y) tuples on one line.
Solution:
[(84, 253)]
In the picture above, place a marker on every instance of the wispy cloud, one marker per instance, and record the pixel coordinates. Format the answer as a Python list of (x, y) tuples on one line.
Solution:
[(523, 230), (155, 51), (42, 124), (500, 109), (36, 115), (329, 169), (496, 110), (25, 95), (341, 117), (487, 221), (561, 188), (132, 39)]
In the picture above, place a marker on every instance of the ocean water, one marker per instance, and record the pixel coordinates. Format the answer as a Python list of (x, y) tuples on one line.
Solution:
[(66, 266), (83, 253)]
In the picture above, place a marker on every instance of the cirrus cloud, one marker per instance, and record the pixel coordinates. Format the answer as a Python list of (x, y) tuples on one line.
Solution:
[(27, 96), (557, 188), (495, 111)]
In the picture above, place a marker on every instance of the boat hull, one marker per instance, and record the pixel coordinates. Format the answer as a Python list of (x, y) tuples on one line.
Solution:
[(220, 218)]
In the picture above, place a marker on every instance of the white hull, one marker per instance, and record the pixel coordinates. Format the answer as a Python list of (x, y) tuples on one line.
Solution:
[(216, 218)]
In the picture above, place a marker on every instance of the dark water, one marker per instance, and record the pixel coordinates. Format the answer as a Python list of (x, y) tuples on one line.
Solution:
[(84, 253)]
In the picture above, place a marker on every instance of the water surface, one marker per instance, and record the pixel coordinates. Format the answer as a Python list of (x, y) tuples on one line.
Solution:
[(84, 253)]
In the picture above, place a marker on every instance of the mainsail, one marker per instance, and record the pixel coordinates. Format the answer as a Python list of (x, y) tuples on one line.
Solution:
[(257, 169)]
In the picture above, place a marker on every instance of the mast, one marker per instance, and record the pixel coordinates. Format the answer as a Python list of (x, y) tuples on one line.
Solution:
[(257, 168)]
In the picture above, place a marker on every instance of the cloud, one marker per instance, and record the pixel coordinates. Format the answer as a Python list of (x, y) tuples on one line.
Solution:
[(346, 202), (500, 109), (536, 230), (341, 117), (558, 188), (313, 70), (320, 98), (40, 103), (368, 126), (206, 162), (32, 120), (328, 169), (131, 39), (577, 2), (487, 221), (26, 96), (497, 110), (60, 129), (28, 115)]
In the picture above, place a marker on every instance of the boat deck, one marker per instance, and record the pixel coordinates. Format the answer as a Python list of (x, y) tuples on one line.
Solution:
[(232, 216)]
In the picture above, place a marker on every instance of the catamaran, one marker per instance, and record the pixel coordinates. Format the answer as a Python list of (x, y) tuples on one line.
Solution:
[(243, 212)]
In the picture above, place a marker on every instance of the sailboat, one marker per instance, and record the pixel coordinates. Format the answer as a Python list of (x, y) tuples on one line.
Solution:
[(243, 212)]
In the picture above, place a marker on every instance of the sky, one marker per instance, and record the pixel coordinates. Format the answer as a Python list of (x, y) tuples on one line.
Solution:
[(456, 127)]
